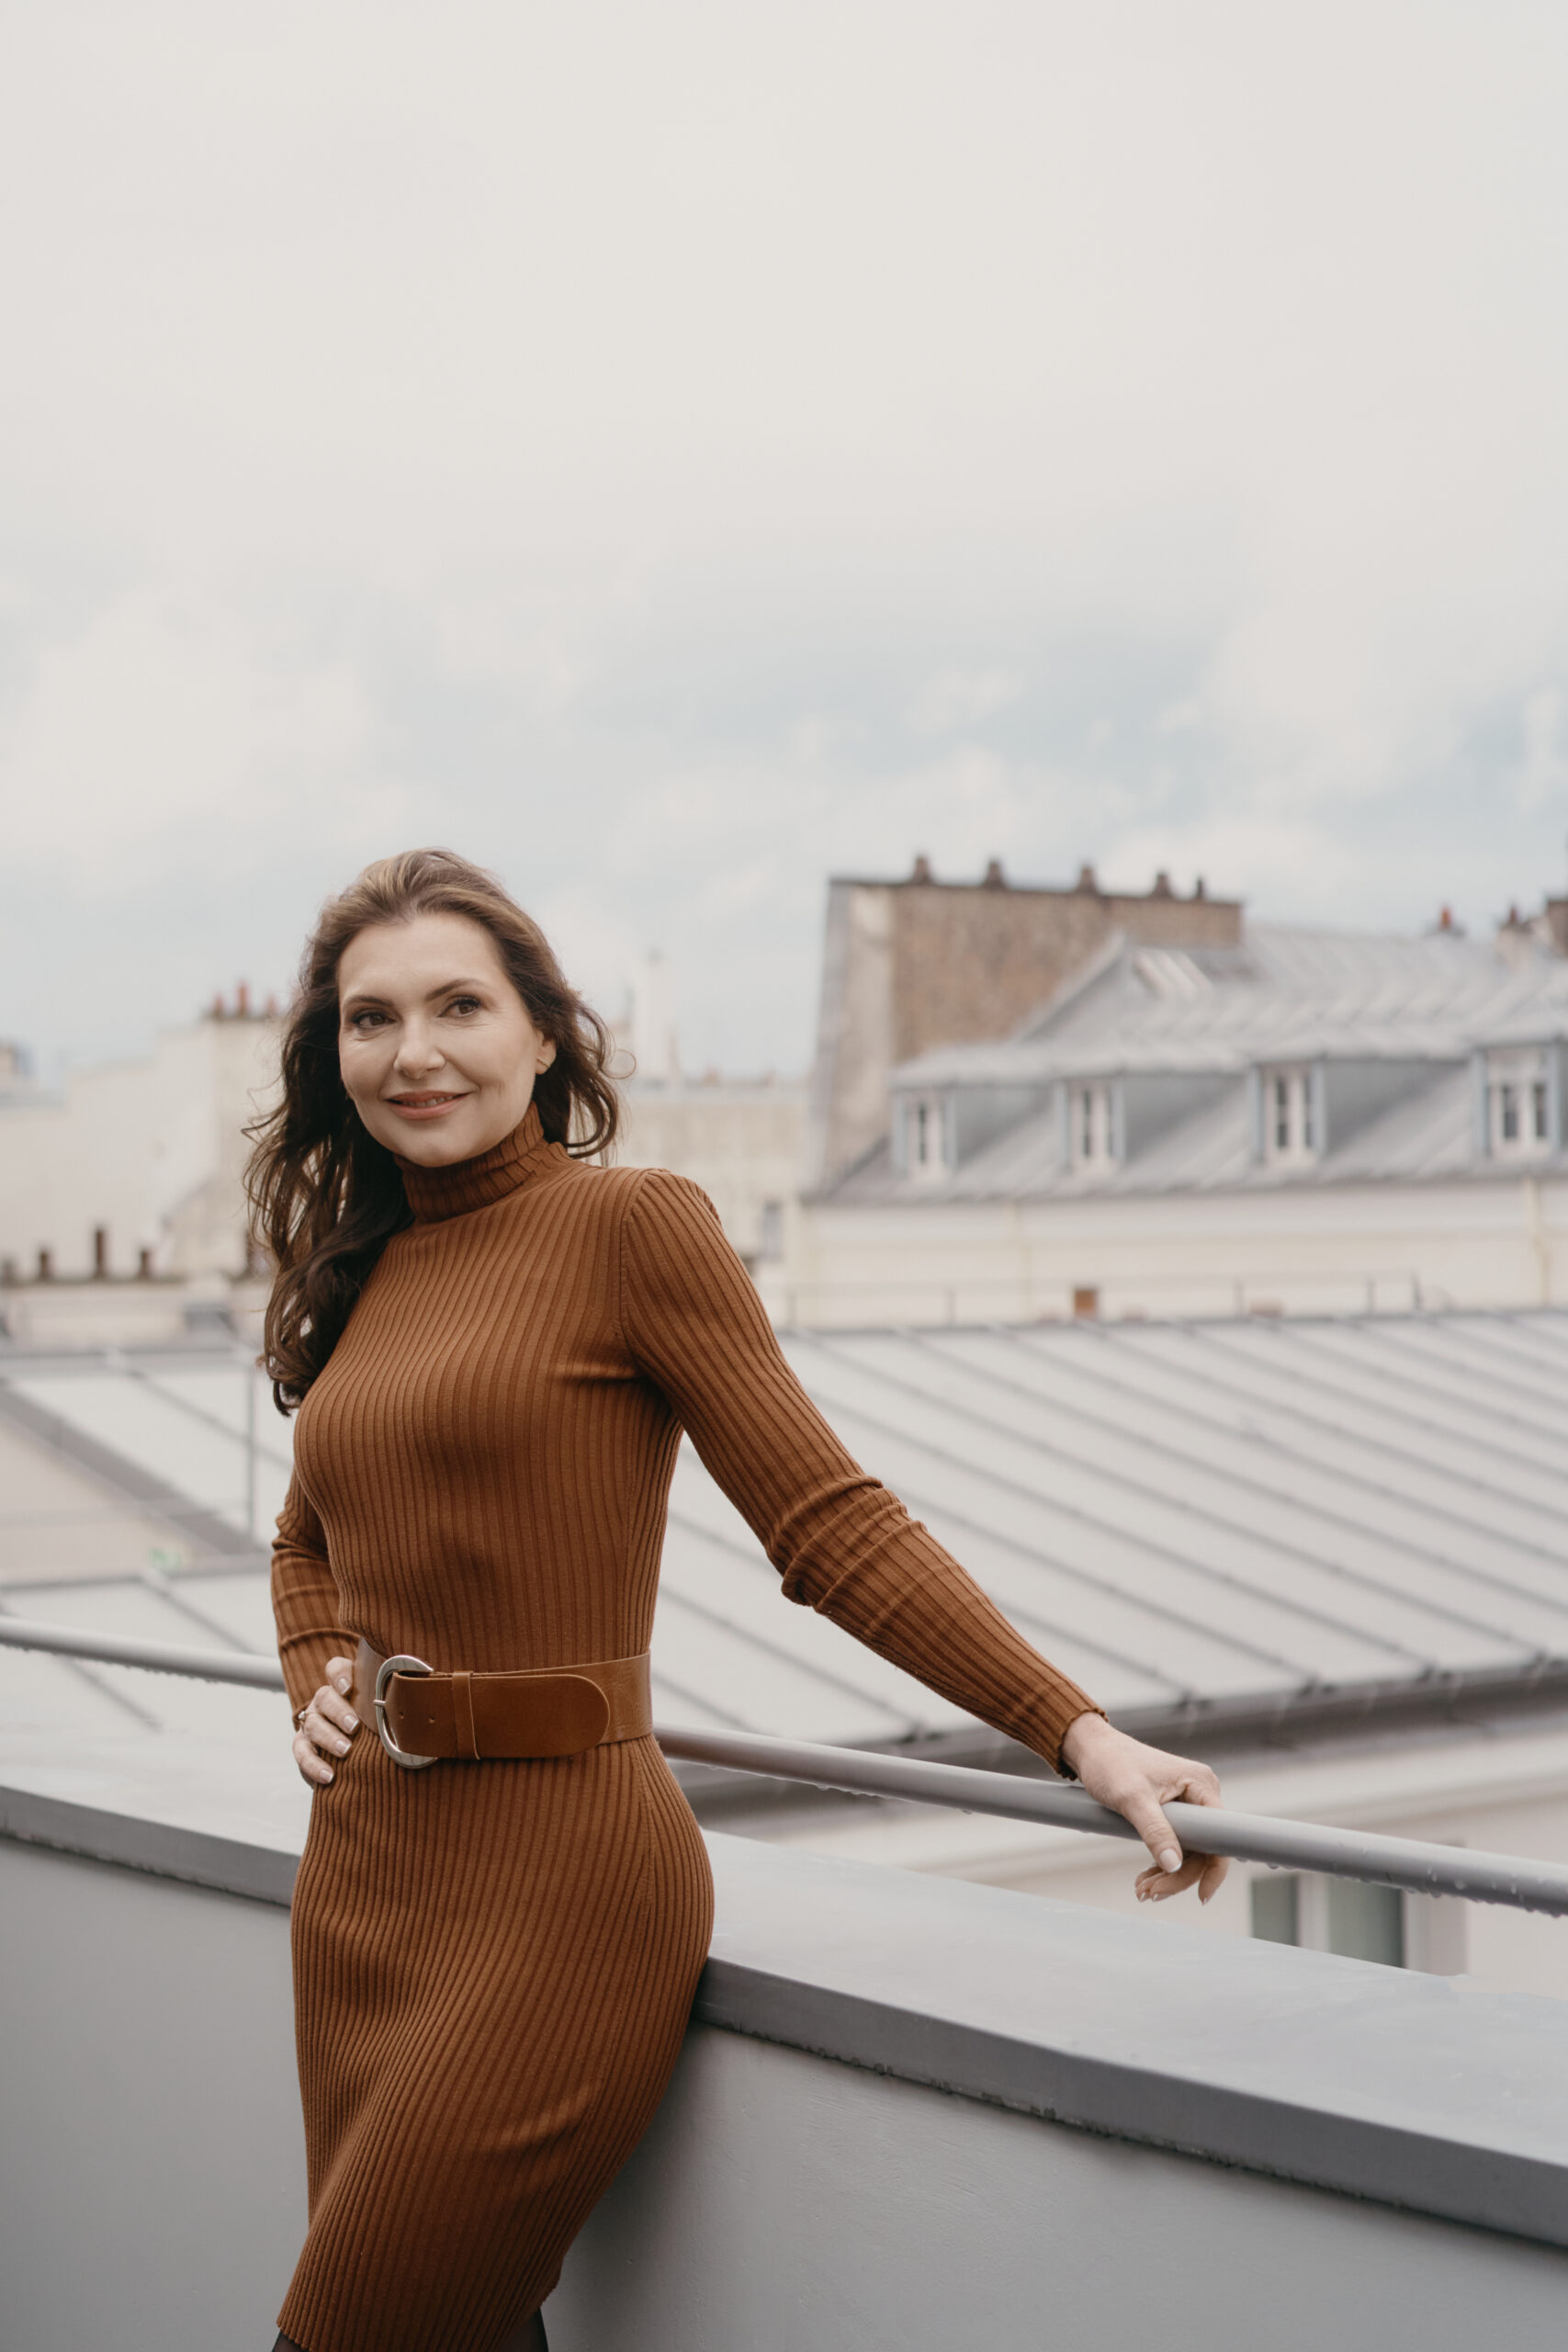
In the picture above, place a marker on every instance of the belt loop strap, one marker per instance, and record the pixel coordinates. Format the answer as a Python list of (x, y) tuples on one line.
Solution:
[(463, 1716)]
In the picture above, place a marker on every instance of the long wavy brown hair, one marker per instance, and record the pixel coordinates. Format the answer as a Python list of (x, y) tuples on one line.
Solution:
[(325, 1197)]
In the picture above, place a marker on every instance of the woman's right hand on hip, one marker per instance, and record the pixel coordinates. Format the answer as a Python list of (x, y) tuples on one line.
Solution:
[(323, 1727)]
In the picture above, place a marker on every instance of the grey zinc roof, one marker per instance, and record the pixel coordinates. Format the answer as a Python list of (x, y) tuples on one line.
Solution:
[(1287, 996), (1211, 1516)]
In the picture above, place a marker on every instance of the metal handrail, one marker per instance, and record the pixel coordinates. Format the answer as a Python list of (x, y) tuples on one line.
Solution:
[(156, 1657), (1507, 1879)]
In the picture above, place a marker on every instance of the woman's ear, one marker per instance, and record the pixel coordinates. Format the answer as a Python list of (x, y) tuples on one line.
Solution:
[(545, 1055)]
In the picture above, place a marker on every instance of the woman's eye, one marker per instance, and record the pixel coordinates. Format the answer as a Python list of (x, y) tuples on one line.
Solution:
[(463, 1004), (360, 1022)]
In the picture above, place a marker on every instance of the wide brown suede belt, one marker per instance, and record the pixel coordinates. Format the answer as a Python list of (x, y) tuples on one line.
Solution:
[(546, 1711)]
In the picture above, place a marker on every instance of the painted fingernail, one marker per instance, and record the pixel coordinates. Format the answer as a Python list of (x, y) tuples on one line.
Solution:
[(339, 1748), (341, 1685), (328, 1773), (1170, 1860)]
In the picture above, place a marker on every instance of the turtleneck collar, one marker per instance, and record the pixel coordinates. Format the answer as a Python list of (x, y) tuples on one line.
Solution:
[(520, 1159)]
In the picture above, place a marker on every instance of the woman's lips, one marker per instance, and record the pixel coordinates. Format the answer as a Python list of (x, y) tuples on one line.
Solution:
[(424, 1106)]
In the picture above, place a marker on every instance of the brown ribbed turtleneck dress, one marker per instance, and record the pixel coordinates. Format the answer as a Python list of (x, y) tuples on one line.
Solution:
[(493, 1962)]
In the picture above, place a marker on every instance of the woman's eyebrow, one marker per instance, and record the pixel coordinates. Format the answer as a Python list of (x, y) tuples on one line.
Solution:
[(453, 988), (357, 999)]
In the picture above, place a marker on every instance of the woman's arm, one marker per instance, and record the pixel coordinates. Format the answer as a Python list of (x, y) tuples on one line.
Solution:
[(842, 1543), (311, 1642)]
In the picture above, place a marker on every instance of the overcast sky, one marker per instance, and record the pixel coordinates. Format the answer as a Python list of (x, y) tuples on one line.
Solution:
[(673, 453)]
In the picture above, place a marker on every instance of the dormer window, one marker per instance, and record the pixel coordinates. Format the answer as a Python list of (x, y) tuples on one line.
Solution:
[(1518, 1104), (1290, 1119), (1092, 1134), (925, 1138)]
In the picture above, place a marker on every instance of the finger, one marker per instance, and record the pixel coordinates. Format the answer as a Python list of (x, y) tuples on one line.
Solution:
[(1151, 1827), (340, 1674), (1197, 1870), (313, 1768), (335, 1710), (1215, 1866), (1156, 1885), (323, 1733)]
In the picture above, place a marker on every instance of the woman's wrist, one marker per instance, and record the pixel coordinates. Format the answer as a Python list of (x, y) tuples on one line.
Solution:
[(1079, 1739)]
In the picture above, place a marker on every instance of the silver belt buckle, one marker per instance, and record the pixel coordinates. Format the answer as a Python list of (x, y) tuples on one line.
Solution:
[(389, 1667)]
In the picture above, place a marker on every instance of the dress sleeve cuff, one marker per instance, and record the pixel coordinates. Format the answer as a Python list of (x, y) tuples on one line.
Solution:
[(1068, 1705)]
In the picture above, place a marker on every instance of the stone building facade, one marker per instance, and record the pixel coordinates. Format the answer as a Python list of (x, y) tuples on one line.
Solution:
[(913, 965)]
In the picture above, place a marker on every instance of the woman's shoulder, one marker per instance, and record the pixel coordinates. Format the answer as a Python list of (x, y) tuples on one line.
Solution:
[(642, 1200), (657, 1215), (654, 1188)]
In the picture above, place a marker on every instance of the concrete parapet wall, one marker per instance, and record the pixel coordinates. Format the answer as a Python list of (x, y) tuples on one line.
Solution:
[(909, 2113)]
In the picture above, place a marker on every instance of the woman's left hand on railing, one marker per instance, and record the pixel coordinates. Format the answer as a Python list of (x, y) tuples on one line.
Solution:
[(1137, 1781)]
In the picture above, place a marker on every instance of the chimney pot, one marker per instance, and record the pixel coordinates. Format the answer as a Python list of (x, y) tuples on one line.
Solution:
[(1162, 889), (100, 1251), (1199, 891), (995, 877), (1086, 880), (145, 1264), (922, 872), (243, 1000), (1444, 919), (46, 1265)]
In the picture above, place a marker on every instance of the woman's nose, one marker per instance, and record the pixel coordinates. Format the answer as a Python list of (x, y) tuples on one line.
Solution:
[(418, 1051)]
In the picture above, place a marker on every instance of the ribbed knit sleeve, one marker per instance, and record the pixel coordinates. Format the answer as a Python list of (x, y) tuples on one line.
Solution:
[(304, 1599), (843, 1544)]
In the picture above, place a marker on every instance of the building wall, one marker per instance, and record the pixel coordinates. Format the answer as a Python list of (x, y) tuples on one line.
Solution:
[(154, 1151), (150, 1150), (1291, 1249), (912, 965), (741, 1141)]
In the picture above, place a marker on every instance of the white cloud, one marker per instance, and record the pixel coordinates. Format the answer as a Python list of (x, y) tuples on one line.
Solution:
[(1543, 771), (957, 699), (675, 452), (148, 726)]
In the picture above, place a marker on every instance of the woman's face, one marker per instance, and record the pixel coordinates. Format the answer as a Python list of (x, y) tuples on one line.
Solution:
[(436, 1045)]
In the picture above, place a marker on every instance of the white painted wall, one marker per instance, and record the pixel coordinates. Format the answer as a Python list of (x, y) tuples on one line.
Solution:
[(152, 1149), (1291, 1247)]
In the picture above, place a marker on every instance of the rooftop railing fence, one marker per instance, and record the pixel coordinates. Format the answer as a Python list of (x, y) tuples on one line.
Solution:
[(1422, 1869)]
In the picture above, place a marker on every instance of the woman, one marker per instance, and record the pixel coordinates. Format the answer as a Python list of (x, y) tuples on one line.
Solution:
[(495, 1346)]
